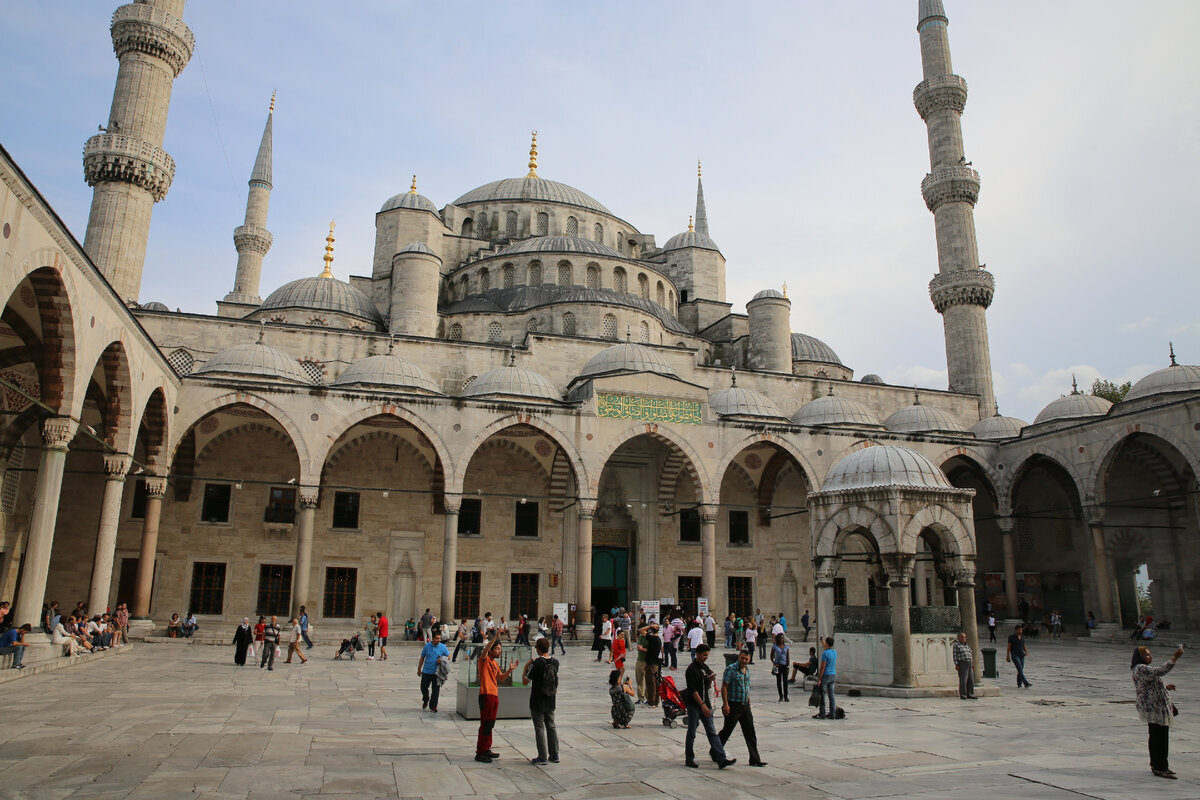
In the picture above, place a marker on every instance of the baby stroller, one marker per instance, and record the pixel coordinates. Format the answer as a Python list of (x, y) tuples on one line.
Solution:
[(671, 701), (351, 646)]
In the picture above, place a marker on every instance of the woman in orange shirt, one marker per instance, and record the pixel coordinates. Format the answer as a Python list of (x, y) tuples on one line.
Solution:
[(618, 654), (490, 677)]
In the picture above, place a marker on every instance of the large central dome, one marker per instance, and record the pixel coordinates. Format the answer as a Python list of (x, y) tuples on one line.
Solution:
[(532, 188)]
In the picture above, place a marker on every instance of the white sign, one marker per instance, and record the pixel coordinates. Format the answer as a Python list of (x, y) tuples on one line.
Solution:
[(652, 610), (561, 610), (702, 605), (667, 603)]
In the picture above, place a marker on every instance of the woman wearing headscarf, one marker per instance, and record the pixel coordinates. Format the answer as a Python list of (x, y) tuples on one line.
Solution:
[(242, 637), (1154, 705)]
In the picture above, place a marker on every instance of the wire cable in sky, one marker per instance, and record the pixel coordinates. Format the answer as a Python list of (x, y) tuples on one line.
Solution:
[(212, 107)]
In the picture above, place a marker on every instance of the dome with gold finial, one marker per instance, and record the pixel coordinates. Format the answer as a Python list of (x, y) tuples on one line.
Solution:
[(410, 199), (691, 238)]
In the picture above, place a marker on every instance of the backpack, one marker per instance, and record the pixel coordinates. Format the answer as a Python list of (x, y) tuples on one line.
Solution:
[(549, 682)]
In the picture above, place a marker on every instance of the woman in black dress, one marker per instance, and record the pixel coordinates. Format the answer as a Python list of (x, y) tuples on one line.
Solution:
[(242, 637)]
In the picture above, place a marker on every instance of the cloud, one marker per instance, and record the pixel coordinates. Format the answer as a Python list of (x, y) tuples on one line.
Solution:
[(1145, 323)]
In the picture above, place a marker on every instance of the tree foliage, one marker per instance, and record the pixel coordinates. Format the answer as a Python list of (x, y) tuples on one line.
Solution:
[(1112, 392)]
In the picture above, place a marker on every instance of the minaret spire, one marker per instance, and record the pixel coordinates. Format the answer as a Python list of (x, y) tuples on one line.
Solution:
[(251, 238), (701, 211), (962, 289)]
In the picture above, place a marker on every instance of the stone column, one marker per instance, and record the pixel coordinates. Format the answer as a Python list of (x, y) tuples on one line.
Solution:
[(115, 468), (156, 490), (57, 433), (1010, 567), (826, 572), (708, 561), (964, 580), (921, 588), (899, 571), (452, 503), (1100, 571), (586, 509), (308, 496)]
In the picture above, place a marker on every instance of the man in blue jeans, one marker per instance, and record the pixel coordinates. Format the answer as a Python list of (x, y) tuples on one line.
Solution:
[(13, 643), (699, 709), (304, 627), (827, 673), (427, 669), (1016, 654)]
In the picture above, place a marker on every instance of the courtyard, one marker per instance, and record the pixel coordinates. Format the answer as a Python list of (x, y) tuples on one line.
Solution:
[(173, 720)]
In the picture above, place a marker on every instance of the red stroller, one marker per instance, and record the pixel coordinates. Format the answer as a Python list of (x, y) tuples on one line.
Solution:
[(670, 700)]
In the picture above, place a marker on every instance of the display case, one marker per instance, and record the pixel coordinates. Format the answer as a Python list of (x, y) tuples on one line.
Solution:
[(514, 692)]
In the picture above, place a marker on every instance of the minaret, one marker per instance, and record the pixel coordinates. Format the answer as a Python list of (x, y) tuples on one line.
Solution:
[(701, 211), (962, 290), (252, 239), (125, 164)]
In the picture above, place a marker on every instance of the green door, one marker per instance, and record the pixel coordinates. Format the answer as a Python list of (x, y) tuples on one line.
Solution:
[(610, 578)]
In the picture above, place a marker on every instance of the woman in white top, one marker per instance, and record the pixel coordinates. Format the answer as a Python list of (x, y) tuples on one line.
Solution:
[(71, 646)]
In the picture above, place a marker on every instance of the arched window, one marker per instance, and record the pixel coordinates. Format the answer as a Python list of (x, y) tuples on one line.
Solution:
[(468, 227), (568, 324), (643, 286), (593, 276), (572, 226), (485, 280), (683, 295), (181, 361), (543, 224), (610, 326), (565, 278), (456, 332), (671, 299), (620, 283), (510, 224), (318, 322), (532, 325), (494, 332), (643, 332), (660, 294), (621, 241), (680, 344), (598, 233), (509, 274), (535, 273)]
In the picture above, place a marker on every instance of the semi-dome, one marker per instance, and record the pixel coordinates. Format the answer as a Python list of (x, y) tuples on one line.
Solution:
[(560, 244), (512, 381), (419, 247), (833, 410), (810, 348), (1174, 378), (885, 466), (387, 372), (872, 379), (410, 199), (998, 427), (736, 401), (690, 239), (772, 293), (256, 361), (1073, 406), (531, 188), (923, 419), (626, 357), (323, 294)]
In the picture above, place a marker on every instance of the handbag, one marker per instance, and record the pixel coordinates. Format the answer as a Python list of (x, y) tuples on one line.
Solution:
[(278, 652), (250, 651), (1174, 710), (814, 699)]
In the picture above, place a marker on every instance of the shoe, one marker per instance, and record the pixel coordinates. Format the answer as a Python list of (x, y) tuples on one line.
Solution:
[(726, 763), (691, 764), (972, 697), (483, 758), (538, 762), (819, 716), (1162, 773), (270, 669), (492, 754), (787, 699), (553, 759), (424, 704), (433, 709), (758, 763)]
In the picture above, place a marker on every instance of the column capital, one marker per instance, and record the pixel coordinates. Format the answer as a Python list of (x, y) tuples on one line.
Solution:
[(156, 487), (57, 432), (1094, 515), (827, 570), (962, 576), (116, 466), (899, 569), (708, 514), (1005, 524), (452, 503), (309, 496), (586, 507)]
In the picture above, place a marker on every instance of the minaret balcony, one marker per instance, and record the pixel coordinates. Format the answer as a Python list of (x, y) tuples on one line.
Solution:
[(962, 287), (940, 93), (115, 157), (253, 238), (142, 28), (950, 185)]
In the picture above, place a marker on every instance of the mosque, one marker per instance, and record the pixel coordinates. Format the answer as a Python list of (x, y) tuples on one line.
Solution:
[(525, 400)]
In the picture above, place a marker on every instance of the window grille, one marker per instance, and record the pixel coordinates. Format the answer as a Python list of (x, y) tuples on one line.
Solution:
[(208, 588), (610, 326), (543, 224), (572, 226), (341, 592), (274, 589), (569, 324), (181, 361), (494, 332), (456, 332)]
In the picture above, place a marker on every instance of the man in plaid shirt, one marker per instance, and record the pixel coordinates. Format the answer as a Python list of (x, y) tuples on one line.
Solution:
[(962, 663), (735, 705)]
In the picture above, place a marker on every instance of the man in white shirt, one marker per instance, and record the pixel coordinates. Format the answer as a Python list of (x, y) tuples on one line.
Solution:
[(695, 639), (710, 629)]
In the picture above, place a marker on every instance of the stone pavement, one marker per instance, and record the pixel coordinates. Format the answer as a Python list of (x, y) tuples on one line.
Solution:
[(168, 721)]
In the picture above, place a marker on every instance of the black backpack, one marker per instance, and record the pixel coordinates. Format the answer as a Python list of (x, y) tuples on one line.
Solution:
[(549, 681)]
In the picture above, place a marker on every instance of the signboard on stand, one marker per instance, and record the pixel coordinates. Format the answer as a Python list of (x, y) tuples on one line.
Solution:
[(652, 610), (561, 610), (702, 606)]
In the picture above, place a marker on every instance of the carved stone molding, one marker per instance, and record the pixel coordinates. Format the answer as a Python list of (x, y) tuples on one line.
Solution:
[(309, 496), (156, 487), (587, 508), (57, 432), (1094, 515), (141, 28), (950, 185), (127, 159), (253, 238), (116, 466), (899, 569), (1006, 525), (827, 570), (708, 514), (941, 92), (966, 287), (452, 503)]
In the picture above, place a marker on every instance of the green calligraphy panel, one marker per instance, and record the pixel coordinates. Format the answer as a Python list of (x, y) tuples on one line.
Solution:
[(649, 409)]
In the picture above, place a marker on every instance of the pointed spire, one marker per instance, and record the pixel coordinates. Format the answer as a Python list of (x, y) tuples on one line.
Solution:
[(997, 406), (533, 157), (328, 271), (262, 162), (1172, 346), (701, 211), (916, 398), (785, 289), (413, 189)]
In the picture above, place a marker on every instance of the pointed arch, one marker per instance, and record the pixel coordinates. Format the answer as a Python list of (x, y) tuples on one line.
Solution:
[(977, 462), (1111, 447), (849, 520), (693, 465), (420, 424), (807, 471), (308, 474), (154, 423), (458, 474), (117, 396), (1029, 458), (949, 527), (48, 296)]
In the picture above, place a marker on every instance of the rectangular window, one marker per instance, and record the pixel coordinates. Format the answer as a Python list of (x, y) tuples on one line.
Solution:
[(208, 588), (216, 502), (470, 514), (281, 505), (523, 599), (526, 523), (689, 525), (839, 591), (741, 595), (466, 594), (689, 590), (137, 509), (341, 591), (274, 589), (739, 527), (345, 510)]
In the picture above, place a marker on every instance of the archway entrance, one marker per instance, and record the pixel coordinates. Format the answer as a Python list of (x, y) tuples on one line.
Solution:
[(610, 578)]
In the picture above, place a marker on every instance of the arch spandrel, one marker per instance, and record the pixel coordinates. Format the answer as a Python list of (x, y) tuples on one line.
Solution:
[(455, 479), (347, 422), (667, 437), (991, 476), (50, 301), (308, 474), (807, 470), (1096, 476), (113, 363), (151, 412)]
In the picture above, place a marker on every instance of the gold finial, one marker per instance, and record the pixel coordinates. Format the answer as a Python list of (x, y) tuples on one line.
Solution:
[(785, 289), (512, 354), (698, 172), (533, 158), (328, 272), (413, 189), (733, 375), (690, 228), (272, 111)]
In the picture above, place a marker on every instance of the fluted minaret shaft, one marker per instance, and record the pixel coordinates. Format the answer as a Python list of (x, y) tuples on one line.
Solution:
[(962, 290), (251, 238), (125, 165)]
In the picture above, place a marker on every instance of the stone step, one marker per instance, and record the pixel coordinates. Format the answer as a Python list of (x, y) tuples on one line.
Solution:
[(46, 657)]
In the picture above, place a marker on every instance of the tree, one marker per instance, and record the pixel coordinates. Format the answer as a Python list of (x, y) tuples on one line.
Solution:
[(1145, 606), (1112, 392)]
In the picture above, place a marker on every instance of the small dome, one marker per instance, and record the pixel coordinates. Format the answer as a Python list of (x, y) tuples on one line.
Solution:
[(560, 244), (690, 239), (420, 247), (872, 379), (512, 382), (388, 372), (1073, 406), (626, 357), (885, 466), (1175, 378), (923, 419), (773, 293), (324, 294), (531, 188), (735, 401), (833, 410), (255, 360), (154, 305), (998, 427), (410, 199), (810, 348)]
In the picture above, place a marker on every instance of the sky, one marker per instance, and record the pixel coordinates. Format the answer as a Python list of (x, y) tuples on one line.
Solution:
[(1083, 120)]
